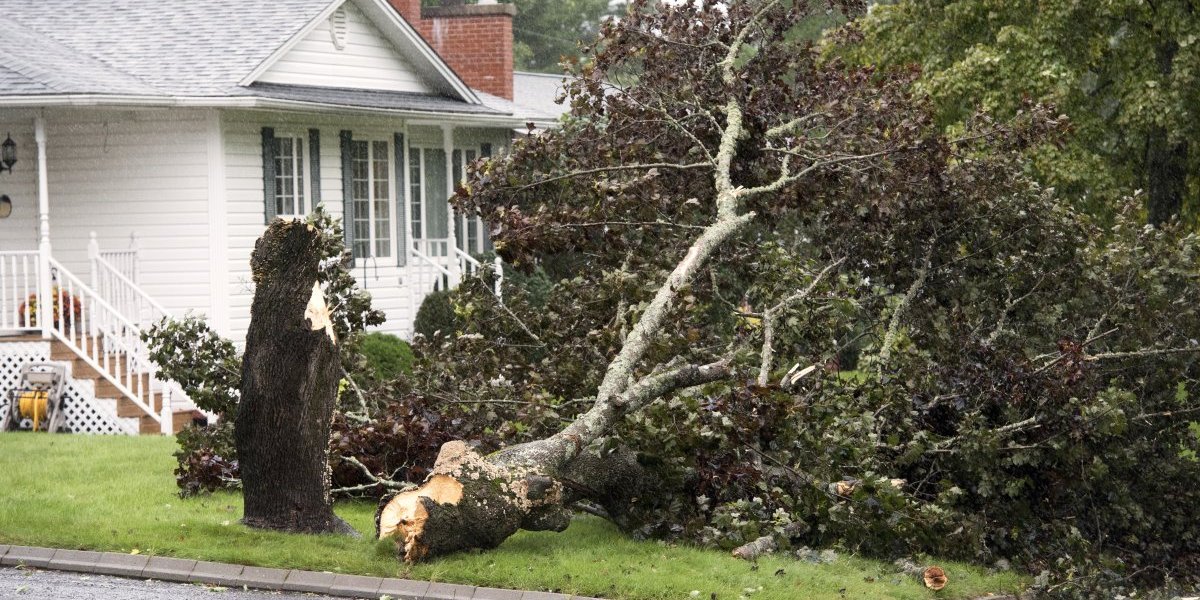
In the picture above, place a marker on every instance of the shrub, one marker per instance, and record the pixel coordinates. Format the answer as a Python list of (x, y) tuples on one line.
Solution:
[(435, 315), (207, 459), (387, 356)]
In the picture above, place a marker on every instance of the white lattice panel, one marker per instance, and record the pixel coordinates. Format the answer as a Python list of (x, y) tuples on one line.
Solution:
[(84, 413)]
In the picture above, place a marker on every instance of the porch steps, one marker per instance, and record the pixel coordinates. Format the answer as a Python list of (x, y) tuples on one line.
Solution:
[(106, 392)]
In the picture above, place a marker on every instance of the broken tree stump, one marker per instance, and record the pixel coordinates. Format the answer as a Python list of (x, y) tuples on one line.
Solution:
[(290, 375)]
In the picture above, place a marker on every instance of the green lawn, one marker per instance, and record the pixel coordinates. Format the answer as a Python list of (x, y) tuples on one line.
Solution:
[(118, 494)]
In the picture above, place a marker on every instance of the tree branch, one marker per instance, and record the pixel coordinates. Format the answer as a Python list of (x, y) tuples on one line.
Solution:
[(889, 340), (637, 167), (1140, 353), (376, 481), (772, 315)]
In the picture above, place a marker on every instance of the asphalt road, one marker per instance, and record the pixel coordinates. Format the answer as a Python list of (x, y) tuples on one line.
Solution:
[(33, 584)]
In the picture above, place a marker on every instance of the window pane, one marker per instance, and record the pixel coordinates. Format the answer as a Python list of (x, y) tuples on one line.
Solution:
[(299, 158), (283, 176), (437, 212), (414, 178), (472, 233), (382, 198), (360, 188)]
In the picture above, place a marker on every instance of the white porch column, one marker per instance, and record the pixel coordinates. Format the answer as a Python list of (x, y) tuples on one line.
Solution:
[(45, 302), (451, 252)]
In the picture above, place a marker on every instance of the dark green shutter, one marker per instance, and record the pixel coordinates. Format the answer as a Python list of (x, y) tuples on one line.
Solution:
[(402, 229), (270, 149), (314, 167), (347, 189)]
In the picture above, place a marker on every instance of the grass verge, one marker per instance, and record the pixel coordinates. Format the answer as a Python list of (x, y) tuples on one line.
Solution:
[(118, 494)]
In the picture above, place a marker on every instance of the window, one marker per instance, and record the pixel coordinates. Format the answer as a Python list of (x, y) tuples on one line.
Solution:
[(371, 188), (289, 178), (469, 226), (427, 171), (415, 170), (430, 209)]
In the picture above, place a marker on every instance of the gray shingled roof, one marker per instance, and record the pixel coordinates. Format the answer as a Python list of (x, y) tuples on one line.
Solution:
[(177, 48), (188, 47), (537, 92), (405, 101), (17, 84), (44, 62)]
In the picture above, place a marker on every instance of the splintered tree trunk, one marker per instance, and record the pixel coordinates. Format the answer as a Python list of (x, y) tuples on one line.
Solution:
[(289, 387), (473, 501)]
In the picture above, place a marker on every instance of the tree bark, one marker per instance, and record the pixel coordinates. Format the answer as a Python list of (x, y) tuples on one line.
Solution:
[(289, 388), (472, 501)]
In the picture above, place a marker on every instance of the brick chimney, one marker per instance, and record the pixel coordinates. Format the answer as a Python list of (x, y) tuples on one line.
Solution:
[(474, 39)]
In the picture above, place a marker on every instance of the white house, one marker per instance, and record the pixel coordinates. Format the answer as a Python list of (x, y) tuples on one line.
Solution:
[(155, 140)]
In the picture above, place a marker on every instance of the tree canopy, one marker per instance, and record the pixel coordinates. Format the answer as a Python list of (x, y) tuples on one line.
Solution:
[(546, 31), (1126, 72)]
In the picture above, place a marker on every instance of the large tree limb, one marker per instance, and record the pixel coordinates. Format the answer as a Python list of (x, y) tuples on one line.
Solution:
[(472, 501)]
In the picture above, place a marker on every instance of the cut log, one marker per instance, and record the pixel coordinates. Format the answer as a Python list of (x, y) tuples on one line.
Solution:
[(290, 374), (935, 578)]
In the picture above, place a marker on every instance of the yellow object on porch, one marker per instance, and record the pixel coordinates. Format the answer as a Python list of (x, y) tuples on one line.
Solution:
[(33, 406)]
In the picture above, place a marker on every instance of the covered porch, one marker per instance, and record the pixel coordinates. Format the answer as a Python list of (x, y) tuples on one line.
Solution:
[(87, 319)]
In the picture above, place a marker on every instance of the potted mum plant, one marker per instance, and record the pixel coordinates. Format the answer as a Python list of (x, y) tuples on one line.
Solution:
[(29, 312)]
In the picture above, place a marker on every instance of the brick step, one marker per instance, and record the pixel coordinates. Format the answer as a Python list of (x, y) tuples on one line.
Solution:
[(80, 368), (148, 426)]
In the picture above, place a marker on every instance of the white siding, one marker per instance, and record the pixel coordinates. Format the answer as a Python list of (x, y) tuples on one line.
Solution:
[(243, 164), (367, 61), (119, 173)]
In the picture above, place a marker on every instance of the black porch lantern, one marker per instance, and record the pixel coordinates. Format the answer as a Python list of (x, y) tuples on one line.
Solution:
[(8, 154)]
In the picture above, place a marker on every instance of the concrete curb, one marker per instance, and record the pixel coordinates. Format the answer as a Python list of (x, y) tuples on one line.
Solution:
[(228, 575)]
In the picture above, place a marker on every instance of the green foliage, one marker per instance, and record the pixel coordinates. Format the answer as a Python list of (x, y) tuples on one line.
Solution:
[(436, 315), (350, 306), (1126, 72), (206, 365), (547, 31), (207, 459), (1018, 363), (209, 369), (387, 356)]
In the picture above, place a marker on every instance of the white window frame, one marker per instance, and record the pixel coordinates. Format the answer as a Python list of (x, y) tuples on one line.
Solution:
[(371, 238), (301, 178), (418, 204)]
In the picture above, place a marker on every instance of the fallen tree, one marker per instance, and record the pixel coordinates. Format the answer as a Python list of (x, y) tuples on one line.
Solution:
[(766, 137), (912, 347)]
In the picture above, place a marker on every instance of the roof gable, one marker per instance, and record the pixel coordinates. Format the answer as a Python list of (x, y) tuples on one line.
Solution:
[(379, 51), (197, 48)]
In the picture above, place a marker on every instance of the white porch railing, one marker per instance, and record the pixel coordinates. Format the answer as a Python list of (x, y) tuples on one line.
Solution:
[(18, 283), (436, 266), (114, 279), (440, 265), (109, 343), (100, 323), (126, 262), (430, 273)]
